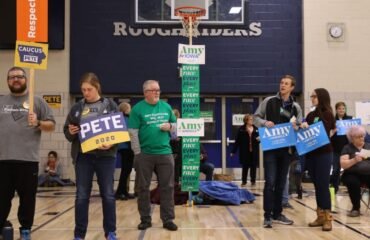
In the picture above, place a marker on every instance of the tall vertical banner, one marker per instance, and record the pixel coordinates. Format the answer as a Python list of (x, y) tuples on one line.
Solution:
[(190, 145), (32, 20)]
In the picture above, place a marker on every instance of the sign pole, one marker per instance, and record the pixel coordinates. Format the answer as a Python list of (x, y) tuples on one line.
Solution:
[(31, 89)]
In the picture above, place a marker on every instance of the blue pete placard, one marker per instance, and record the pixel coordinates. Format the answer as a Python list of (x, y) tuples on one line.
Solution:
[(279, 136), (104, 129), (311, 138), (344, 125)]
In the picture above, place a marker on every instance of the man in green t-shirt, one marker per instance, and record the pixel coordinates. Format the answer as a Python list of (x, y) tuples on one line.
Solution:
[(150, 123)]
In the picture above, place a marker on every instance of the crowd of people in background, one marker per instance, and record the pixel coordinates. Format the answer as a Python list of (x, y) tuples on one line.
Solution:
[(155, 148)]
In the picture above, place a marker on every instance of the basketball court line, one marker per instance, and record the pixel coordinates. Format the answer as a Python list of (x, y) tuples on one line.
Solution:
[(242, 228)]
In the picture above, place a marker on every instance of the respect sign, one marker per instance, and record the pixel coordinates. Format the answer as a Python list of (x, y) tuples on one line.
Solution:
[(105, 129)]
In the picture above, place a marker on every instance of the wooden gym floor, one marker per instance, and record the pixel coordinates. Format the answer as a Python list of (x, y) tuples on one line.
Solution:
[(54, 219)]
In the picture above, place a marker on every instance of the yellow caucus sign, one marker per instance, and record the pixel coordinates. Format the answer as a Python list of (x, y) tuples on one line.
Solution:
[(31, 55), (105, 129)]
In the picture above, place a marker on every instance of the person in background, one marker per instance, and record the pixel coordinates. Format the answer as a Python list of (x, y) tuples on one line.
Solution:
[(127, 160), (338, 142), (247, 141), (281, 108), (350, 157), (205, 167), (150, 123), (19, 149), (100, 161), (175, 143), (319, 160), (52, 172)]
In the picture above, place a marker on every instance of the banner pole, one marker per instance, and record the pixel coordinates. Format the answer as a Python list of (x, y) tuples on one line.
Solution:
[(31, 89)]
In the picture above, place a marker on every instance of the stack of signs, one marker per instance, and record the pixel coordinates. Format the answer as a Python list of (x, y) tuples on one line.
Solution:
[(190, 145)]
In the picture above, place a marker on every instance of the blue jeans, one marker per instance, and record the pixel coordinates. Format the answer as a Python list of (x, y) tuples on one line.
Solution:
[(276, 164), (85, 167), (207, 168), (319, 169), (285, 198)]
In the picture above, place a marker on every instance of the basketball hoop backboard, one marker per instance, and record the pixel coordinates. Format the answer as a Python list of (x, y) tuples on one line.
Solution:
[(218, 12)]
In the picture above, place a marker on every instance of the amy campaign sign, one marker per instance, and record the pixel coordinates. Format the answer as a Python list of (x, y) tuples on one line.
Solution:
[(281, 135), (311, 138), (343, 125), (105, 129)]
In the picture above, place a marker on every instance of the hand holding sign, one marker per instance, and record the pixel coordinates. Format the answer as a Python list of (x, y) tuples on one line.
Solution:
[(102, 132)]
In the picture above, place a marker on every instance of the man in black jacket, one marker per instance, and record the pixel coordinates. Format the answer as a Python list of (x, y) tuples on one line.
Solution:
[(277, 109)]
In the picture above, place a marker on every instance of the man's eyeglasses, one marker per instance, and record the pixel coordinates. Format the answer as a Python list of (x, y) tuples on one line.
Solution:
[(153, 90), (16, 77)]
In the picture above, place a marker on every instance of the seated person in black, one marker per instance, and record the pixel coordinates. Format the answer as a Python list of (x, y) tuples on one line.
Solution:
[(349, 158)]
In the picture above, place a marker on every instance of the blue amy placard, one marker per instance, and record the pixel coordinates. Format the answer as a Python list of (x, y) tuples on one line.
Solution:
[(279, 136)]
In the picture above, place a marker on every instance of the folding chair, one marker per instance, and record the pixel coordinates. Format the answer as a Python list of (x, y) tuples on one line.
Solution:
[(365, 199)]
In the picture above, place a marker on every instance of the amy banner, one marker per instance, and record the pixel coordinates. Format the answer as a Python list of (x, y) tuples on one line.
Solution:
[(311, 138), (190, 163), (105, 129), (344, 125), (190, 78), (279, 136)]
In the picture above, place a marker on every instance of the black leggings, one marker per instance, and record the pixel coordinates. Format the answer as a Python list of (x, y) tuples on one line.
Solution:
[(127, 162), (20, 176)]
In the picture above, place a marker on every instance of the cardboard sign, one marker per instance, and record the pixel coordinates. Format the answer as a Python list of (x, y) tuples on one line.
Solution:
[(191, 54), (311, 138), (279, 136), (104, 129), (54, 101), (344, 125), (32, 20), (31, 55), (190, 127)]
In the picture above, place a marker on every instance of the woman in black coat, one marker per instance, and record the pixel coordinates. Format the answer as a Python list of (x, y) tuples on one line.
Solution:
[(247, 140)]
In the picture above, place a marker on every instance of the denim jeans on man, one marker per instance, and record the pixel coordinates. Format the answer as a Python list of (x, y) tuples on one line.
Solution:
[(276, 165), (85, 167)]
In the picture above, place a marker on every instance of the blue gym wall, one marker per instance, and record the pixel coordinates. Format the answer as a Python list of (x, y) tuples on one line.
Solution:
[(246, 65)]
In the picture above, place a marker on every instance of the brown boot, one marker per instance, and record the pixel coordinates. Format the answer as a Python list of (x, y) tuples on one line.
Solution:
[(327, 226), (319, 220)]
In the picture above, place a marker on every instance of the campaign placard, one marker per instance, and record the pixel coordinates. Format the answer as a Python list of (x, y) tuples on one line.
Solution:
[(311, 138), (190, 127), (104, 129), (32, 20), (279, 136), (344, 125), (190, 163), (31, 55), (54, 101), (191, 54)]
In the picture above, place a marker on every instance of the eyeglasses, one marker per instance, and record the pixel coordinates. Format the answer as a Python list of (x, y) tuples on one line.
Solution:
[(16, 77), (313, 96), (359, 136), (154, 90)]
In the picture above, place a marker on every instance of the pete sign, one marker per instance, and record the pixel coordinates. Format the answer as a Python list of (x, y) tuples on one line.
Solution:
[(105, 129), (311, 138), (279, 136)]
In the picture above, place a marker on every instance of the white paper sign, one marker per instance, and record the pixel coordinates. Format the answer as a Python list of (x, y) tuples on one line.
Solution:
[(363, 112), (238, 119), (190, 127), (191, 54)]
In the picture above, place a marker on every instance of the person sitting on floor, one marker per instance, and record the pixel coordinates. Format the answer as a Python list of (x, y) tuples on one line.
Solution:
[(52, 172)]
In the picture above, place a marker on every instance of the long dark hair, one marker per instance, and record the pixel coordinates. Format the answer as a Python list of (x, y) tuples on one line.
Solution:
[(323, 104)]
